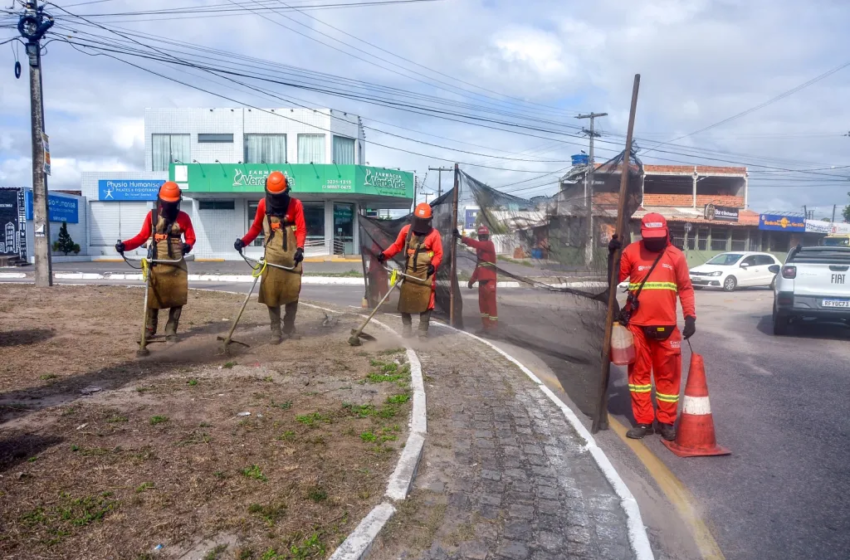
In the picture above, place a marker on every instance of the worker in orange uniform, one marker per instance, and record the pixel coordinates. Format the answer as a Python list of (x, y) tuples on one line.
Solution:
[(484, 274), (281, 219), (423, 252), (170, 236), (657, 272)]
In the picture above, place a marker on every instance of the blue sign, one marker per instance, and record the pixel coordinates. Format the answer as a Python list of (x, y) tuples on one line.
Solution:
[(469, 219), (780, 222), (59, 208), (128, 189)]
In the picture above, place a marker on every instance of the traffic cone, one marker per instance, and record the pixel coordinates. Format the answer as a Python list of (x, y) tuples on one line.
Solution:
[(695, 437)]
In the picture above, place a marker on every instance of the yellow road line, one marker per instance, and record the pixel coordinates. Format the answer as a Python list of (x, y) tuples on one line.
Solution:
[(676, 492)]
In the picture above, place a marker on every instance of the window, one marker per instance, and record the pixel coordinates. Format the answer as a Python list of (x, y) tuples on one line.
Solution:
[(739, 239), (215, 139), (265, 148), (343, 150), (311, 148), (252, 213), (702, 239), (216, 205), (677, 233), (169, 148), (749, 261), (726, 259), (765, 260), (718, 238)]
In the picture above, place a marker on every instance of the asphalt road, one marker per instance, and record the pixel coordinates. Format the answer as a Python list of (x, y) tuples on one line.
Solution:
[(781, 405)]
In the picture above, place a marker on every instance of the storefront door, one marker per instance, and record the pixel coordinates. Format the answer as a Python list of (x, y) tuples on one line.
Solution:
[(343, 229)]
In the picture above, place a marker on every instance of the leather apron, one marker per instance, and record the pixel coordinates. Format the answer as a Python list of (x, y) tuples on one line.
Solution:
[(169, 285), (416, 296), (279, 287)]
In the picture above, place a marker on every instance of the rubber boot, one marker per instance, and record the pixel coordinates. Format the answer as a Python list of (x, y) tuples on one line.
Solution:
[(152, 315), (424, 324), (406, 325), (640, 431), (274, 318), (172, 324), (667, 431), (291, 310)]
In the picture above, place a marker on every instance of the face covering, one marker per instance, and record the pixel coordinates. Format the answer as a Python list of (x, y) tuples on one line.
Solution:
[(277, 204), (655, 245), (169, 210), (421, 226), (484, 238)]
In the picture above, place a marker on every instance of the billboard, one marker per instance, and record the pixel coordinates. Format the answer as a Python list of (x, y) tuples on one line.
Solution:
[(470, 215), (109, 190), (780, 222), (59, 208), (303, 178), (721, 213)]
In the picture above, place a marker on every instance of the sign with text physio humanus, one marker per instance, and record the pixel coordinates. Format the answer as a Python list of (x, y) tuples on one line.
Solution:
[(303, 178), (114, 190)]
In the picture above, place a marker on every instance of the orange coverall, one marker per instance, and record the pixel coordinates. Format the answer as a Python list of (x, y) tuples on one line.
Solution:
[(485, 274), (657, 308)]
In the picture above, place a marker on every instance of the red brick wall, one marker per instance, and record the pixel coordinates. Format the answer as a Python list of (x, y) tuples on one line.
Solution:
[(687, 200), (606, 198)]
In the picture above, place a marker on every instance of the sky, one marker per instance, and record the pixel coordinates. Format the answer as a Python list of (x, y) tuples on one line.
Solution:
[(534, 63)]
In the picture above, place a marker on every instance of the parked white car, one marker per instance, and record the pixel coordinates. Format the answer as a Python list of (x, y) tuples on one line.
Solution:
[(738, 269), (814, 285)]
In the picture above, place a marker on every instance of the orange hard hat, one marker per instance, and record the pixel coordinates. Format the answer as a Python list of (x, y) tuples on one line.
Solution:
[(169, 192), (276, 182), (423, 210)]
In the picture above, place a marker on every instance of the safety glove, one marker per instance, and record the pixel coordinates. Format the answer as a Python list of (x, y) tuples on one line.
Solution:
[(431, 270), (690, 327), (471, 284), (455, 233), (187, 248), (239, 245), (382, 258), (614, 245), (299, 255), (120, 247)]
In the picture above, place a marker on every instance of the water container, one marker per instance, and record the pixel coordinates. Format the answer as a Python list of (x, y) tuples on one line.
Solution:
[(622, 346)]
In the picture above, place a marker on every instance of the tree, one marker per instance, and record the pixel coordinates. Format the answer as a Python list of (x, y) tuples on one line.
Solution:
[(847, 211), (65, 244)]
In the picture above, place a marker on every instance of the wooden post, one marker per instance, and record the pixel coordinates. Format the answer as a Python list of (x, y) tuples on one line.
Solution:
[(600, 419), (454, 287)]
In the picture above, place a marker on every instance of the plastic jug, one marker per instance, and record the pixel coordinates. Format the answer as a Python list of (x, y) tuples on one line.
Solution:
[(622, 346)]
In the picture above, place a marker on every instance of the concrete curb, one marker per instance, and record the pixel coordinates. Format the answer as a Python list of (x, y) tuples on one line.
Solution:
[(356, 546), (638, 538)]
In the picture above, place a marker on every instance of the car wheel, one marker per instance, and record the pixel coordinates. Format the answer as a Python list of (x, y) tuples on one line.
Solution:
[(730, 284), (780, 325)]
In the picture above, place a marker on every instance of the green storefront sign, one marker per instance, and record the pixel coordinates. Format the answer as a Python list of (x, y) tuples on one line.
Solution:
[(304, 178)]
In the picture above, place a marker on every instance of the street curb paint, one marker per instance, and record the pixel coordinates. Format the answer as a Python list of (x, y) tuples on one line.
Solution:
[(12, 275), (638, 538), (358, 543)]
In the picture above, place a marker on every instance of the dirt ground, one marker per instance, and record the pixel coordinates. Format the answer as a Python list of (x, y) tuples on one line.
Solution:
[(103, 455)]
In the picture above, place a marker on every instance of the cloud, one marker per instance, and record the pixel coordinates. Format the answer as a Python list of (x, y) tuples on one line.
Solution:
[(700, 61)]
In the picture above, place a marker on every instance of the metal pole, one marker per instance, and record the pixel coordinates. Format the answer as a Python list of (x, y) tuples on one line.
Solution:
[(454, 286), (600, 419), (588, 191), (35, 27), (833, 213)]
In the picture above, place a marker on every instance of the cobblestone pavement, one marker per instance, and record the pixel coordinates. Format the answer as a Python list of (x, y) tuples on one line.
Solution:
[(503, 474)]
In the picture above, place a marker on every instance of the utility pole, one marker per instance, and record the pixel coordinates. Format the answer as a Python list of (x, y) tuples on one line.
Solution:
[(833, 213), (32, 26), (588, 183), (439, 171)]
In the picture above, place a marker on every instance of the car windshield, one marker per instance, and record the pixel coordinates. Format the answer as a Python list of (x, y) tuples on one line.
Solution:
[(726, 259)]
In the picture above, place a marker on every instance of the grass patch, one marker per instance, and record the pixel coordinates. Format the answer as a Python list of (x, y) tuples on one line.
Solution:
[(368, 437), (228, 365), (283, 406), (144, 487), (288, 435), (314, 418), (270, 513), (317, 494), (60, 519), (398, 399), (117, 419), (215, 554), (254, 472), (383, 377), (48, 376), (192, 383), (158, 420), (391, 351)]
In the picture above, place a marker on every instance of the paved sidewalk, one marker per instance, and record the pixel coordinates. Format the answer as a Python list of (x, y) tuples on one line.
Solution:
[(503, 474)]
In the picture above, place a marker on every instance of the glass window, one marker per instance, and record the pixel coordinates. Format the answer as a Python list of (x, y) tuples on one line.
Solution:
[(765, 260), (215, 138), (314, 215), (677, 233), (311, 148), (170, 148), (343, 150), (265, 148), (252, 213), (739, 239), (216, 205), (726, 259), (343, 229), (751, 260), (702, 239)]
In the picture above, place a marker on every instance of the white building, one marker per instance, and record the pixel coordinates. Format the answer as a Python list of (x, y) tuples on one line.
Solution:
[(220, 157)]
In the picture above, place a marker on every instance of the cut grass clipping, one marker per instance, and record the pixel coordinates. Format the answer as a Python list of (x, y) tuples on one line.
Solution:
[(254, 472)]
